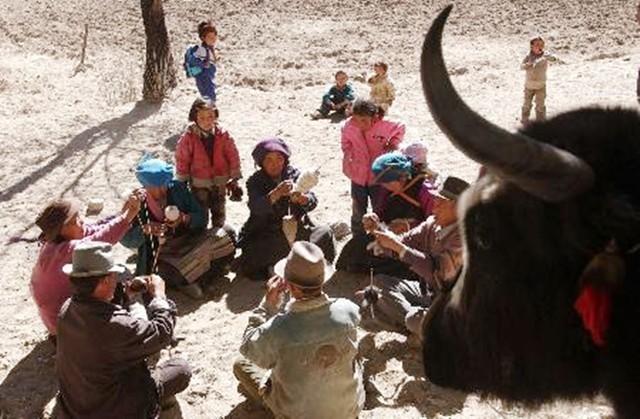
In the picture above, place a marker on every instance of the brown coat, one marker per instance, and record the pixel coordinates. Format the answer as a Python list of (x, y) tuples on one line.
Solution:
[(100, 360), (434, 253)]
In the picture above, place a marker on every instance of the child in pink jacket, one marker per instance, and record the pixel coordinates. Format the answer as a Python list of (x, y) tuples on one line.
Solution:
[(207, 159), (365, 136)]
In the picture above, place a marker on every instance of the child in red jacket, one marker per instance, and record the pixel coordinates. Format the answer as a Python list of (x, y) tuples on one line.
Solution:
[(207, 158)]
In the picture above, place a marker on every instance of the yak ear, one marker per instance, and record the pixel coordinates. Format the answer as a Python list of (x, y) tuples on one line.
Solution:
[(606, 268)]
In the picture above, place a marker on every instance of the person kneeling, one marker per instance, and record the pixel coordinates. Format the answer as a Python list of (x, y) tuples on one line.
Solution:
[(309, 348), (102, 348)]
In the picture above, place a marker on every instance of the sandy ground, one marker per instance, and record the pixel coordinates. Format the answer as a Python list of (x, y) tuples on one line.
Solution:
[(80, 135)]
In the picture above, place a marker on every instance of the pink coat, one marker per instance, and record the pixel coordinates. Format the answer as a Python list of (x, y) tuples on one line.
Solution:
[(193, 165), (50, 287), (361, 149)]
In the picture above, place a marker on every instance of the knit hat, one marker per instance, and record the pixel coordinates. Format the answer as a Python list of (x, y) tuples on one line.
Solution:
[(268, 145), (56, 215), (390, 167), (416, 151), (154, 172)]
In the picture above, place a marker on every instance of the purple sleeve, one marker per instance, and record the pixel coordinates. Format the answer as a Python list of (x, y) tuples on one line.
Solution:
[(111, 231), (426, 199)]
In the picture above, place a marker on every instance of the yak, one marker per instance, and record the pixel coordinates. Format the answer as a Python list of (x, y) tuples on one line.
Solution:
[(547, 303)]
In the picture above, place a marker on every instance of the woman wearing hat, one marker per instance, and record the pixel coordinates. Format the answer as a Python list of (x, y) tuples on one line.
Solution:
[(178, 247), (261, 239), (62, 229), (405, 201)]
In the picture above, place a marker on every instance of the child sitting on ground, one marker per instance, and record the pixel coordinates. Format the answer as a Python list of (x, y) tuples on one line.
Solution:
[(535, 85), (383, 93), (202, 61), (339, 97)]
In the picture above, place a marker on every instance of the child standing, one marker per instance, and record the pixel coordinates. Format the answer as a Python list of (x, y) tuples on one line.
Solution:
[(203, 60), (383, 93), (339, 97), (535, 85), (207, 158), (365, 136)]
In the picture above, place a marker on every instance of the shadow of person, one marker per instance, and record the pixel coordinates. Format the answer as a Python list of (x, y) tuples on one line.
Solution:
[(429, 399), (344, 284), (337, 117), (30, 385), (244, 294), (171, 142), (186, 305), (249, 410)]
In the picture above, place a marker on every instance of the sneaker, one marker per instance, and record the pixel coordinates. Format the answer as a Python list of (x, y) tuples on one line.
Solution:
[(192, 290)]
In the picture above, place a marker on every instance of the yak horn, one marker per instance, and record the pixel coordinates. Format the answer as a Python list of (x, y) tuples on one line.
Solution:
[(550, 173)]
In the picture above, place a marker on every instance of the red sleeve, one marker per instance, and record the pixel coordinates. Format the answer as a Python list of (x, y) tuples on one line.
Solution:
[(184, 156), (232, 156)]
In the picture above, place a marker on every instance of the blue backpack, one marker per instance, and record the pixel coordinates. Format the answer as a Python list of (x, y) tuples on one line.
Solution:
[(189, 69)]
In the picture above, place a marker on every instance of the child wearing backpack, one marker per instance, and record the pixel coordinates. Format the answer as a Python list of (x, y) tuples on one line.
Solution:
[(200, 61)]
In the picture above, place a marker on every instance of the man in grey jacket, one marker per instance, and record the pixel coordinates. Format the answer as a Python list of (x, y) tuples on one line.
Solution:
[(301, 360), (433, 250), (102, 348)]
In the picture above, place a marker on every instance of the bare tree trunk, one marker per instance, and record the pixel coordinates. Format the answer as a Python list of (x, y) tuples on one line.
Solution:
[(159, 72)]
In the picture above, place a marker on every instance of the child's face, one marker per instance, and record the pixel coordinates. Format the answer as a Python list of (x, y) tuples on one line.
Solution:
[(363, 122), (537, 47), (206, 119), (378, 69), (210, 38), (341, 80)]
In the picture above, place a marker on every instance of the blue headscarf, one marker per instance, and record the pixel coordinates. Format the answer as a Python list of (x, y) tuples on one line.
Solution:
[(154, 172), (391, 166)]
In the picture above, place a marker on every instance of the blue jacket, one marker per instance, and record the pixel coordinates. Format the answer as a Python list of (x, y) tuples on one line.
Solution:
[(335, 95), (205, 80)]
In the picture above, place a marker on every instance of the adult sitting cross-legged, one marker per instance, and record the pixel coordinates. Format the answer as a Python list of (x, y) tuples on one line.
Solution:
[(433, 250), (271, 197), (170, 233), (102, 347), (301, 359)]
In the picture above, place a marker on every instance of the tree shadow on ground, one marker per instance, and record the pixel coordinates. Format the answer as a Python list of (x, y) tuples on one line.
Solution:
[(114, 130), (30, 384)]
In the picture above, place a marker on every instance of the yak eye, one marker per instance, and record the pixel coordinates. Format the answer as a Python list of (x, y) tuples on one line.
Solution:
[(482, 241), (481, 232)]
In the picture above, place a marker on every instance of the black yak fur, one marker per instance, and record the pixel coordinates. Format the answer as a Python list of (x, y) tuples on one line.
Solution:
[(508, 328)]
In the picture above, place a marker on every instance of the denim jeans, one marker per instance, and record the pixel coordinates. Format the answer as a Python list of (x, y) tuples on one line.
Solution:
[(360, 196)]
